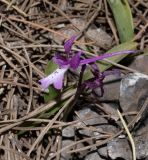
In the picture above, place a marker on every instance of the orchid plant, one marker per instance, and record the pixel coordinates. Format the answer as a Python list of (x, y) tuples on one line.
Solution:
[(73, 61)]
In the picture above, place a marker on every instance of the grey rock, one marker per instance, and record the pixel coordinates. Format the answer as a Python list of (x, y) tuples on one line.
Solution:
[(140, 63), (102, 39), (64, 154), (111, 109), (119, 148), (68, 156), (98, 35), (103, 151), (95, 121), (87, 112), (142, 145), (68, 132), (96, 125), (93, 156), (133, 92), (111, 89)]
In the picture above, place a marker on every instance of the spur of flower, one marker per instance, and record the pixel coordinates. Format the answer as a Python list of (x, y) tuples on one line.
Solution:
[(73, 61)]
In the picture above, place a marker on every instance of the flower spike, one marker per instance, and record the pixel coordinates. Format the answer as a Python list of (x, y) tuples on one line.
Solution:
[(74, 61)]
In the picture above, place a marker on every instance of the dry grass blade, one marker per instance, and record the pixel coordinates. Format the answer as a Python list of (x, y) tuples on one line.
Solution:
[(30, 81), (77, 142), (50, 124), (36, 112), (129, 135), (15, 152), (15, 7)]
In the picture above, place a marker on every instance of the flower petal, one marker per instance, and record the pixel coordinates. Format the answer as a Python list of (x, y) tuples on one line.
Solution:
[(60, 60), (75, 60), (55, 78), (94, 59), (68, 44), (58, 83), (45, 82)]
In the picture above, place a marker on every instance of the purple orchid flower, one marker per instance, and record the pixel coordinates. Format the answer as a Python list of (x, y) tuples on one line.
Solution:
[(56, 78)]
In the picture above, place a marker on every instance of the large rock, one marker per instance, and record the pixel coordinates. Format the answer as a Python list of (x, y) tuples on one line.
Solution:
[(133, 92), (93, 156)]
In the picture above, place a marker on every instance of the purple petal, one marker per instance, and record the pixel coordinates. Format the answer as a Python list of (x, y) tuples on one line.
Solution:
[(58, 83), (68, 44), (45, 82), (60, 60), (94, 59), (75, 60), (55, 78)]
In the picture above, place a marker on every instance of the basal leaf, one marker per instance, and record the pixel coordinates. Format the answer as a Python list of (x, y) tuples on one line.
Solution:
[(52, 92), (123, 18)]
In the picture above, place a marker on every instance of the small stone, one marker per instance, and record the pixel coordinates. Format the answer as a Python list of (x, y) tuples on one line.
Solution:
[(111, 109), (94, 116), (101, 38), (103, 151), (93, 156), (140, 63), (111, 89), (98, 35), (68, 156), (96, 125), (64, 154), (95, 121), (68, 132)]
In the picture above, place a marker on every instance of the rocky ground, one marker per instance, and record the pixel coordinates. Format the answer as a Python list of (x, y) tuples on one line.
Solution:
[(31, 128)]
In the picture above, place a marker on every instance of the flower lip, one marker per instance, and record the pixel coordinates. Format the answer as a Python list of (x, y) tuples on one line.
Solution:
[(55, 78)]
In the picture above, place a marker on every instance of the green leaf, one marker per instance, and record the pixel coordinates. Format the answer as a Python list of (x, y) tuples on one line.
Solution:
[(52, 92), (51, 66), (123, 18), (48, 114)]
